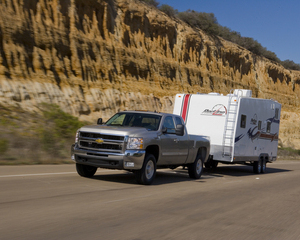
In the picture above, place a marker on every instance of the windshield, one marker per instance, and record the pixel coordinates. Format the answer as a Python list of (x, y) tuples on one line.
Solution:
[(148, 121)]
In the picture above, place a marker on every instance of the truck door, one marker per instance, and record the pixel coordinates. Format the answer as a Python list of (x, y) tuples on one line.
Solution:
[(174, 149)]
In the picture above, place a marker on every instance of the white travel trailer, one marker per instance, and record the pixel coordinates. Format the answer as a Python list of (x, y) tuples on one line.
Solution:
[(242, 129)]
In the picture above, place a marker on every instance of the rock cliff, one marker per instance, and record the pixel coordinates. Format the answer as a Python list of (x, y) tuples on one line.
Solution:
[(95, 57)]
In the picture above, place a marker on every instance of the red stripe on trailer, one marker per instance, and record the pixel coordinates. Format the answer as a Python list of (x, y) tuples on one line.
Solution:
[(185, 106)]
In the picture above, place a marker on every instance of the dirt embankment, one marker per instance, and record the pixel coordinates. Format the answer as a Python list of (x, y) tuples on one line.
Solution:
[(95, 57)]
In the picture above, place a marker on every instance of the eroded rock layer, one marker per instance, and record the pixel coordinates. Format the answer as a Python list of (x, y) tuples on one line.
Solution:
[(95, 57)]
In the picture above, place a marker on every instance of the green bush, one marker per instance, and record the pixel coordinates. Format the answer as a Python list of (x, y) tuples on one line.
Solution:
[(288, 64), (170, 11), (151, 2), (3, 146), (205, 21), (65, 125)]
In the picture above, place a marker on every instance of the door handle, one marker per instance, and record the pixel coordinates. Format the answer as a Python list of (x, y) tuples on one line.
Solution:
[(176, 140)]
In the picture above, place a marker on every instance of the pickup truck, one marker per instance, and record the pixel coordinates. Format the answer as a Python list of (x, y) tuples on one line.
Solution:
[(139, 142)]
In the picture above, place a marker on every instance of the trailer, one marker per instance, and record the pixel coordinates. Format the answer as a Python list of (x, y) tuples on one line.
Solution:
[(241, 129)]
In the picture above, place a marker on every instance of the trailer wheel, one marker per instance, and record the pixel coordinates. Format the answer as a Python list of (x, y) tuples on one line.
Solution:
[(85, 170), (257, 166), (147, 173), (263, 166), (195, 169)]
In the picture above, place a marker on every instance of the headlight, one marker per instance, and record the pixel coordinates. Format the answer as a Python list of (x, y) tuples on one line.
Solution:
[(135, 143), (76, 137)]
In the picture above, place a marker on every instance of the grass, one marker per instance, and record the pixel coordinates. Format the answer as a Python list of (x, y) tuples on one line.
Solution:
[(44, 137)]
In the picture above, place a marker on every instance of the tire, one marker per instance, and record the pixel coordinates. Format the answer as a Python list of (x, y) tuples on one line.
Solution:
[(263, 166), (147, 173), (257, 166), (196, 168), (85, 170), (211, 164)]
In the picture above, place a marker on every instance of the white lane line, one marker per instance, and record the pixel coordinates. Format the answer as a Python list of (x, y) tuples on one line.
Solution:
[(36, 174), (45, 174)]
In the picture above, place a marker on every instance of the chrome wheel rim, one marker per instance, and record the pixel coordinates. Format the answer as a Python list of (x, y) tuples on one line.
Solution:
[(199, 166), (149, 169)]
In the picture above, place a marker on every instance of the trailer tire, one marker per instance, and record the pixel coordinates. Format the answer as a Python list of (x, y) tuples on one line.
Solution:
[(196, 168), (146, 174), (85, 170), (257, 166), (263, 166)]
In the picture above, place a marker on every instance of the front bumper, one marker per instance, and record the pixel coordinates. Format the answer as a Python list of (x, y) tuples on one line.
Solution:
[(129, 160)]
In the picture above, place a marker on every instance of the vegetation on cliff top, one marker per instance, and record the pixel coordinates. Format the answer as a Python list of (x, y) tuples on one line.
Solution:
[(208, 23)]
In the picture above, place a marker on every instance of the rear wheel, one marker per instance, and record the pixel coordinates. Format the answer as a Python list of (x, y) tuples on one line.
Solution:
[(85, 170), (146, 174), (196, 168), (257, 166), (263, 166)]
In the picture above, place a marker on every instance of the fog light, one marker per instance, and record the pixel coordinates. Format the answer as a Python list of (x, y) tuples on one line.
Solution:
[(73, 157), (129, 164)]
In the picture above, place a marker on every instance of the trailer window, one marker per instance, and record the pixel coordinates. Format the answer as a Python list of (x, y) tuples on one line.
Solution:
[(268, 127), (243, 121), (259, 125), (277, 113)]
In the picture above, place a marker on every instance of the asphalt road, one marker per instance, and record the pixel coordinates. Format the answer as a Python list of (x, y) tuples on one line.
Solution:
[(53, 202)]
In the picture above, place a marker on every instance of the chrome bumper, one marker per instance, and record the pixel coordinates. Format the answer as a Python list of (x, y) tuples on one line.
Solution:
[(129, 160)]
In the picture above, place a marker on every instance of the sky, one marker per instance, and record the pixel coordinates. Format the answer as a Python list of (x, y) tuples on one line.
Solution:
[(274, 24)]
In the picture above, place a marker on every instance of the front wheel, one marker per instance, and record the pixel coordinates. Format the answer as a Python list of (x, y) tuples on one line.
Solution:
[(196, 168), (85, 170), (146, 174)]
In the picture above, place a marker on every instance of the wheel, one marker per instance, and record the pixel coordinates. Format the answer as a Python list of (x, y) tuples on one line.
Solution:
[(146, 174), (196, 168), (85, 170), (263, 166), (257, 166), (211, 164)]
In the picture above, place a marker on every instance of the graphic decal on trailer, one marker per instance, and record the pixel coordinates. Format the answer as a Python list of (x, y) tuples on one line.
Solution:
[(253, 132), (217, 110)]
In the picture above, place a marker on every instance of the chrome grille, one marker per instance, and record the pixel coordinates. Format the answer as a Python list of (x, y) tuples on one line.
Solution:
[(110, 143)]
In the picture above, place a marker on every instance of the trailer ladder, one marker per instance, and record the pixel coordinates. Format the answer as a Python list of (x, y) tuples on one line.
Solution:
[(229, 127)]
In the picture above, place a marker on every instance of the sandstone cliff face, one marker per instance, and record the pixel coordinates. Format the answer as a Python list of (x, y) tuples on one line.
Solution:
[(95, 57)]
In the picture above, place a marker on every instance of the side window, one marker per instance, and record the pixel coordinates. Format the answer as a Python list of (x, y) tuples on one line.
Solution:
[(243, 121), (259, 125), (276, 113), (169, 124), (178, 121), (268, 127)]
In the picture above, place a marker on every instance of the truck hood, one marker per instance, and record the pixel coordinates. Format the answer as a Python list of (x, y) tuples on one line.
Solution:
[(115, 130)]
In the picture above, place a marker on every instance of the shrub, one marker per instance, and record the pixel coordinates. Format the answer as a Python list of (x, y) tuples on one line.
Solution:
[(170, 11), (205, 21), (3, 146), (151, 2), (288, 64)]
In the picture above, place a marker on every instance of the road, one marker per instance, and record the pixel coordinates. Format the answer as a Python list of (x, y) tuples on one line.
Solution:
[(53, 202)]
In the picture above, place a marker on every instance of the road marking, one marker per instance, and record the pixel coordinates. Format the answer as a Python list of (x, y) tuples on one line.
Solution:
[(35, 174), (45, 174)]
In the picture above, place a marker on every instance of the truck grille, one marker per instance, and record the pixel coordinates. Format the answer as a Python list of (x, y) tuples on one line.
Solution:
[(111, 143)]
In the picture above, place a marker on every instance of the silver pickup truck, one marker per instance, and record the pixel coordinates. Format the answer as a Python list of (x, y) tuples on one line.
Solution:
[(139, 142)]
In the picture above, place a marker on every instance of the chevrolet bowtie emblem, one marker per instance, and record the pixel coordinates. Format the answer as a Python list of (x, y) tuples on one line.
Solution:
[(99, 140)]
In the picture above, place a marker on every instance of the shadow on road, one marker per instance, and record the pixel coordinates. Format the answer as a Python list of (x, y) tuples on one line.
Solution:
[(237, 170), (179, 174)]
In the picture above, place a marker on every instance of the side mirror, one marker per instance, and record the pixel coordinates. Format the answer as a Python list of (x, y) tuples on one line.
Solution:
[(99, 121), (164, 130), (179, 130)]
